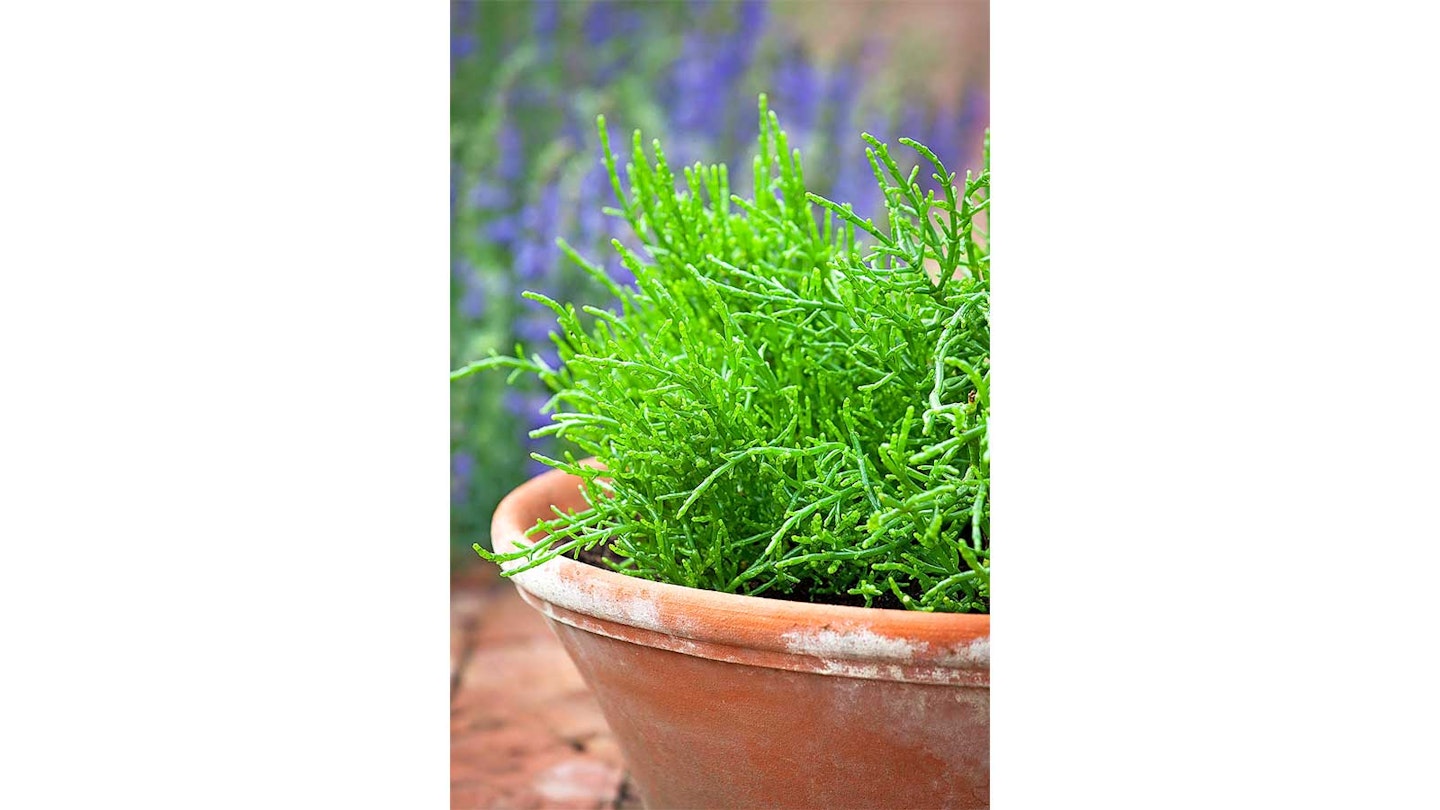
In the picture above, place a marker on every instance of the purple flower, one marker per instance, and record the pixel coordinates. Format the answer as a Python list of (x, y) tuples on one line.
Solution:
[(511, 150), (503, 231), (606, 21), (752, 18), (462, 469), (572, 132), (912, 124), (798, 95), (540, 216), (609, 30), (472, 303), (685, 150), (488, 197), (461, 46), (537, 254), (547, 19), (530, 263), (944, 139), (462, 40), (599, 23), (461, 13), (526, 405), (472, 300), (455, 176), (617, 270), (594, 194), (692, 93), (854, 180), (534, 327), (973, 120), (842, 90), (621, 230), (704, 76), (529, 95)]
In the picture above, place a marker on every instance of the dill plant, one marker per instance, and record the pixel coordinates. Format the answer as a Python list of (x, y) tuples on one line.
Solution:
[(791, 401)]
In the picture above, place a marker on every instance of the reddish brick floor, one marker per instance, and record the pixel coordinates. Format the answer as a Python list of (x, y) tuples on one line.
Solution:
[(524, 731)]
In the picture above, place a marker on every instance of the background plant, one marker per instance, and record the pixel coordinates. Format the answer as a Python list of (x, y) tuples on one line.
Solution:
[(528, 78), (779, 409)]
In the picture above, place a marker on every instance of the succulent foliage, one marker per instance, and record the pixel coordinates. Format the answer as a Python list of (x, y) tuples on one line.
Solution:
[(791, 401)]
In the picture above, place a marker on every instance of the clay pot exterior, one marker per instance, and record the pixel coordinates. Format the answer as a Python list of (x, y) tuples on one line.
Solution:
[(719, 700)]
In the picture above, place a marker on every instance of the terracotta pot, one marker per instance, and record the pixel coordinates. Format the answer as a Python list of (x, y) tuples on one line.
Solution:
[(719, 700)]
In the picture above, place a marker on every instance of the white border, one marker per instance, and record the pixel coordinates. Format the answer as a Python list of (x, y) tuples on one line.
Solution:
[(222, 320), (1215, 431)]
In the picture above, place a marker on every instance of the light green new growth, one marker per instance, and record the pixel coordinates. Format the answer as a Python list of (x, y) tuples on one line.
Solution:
[(780, 410)]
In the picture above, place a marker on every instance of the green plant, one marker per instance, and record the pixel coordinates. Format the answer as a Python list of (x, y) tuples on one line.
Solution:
[(780, 408)]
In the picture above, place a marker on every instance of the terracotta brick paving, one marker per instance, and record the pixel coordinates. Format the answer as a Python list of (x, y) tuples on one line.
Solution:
[(524, 731)]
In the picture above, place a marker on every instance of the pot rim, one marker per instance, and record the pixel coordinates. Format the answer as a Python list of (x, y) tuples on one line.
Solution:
[(834, 639)]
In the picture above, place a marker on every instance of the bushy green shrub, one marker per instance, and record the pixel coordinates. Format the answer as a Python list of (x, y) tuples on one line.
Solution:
[(526, 80), (791, 401)]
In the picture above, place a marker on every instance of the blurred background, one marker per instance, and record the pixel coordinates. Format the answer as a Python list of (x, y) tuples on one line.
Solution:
[(527, 81)]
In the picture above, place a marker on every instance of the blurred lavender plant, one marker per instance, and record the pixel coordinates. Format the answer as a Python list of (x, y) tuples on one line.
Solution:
[(526, 80)]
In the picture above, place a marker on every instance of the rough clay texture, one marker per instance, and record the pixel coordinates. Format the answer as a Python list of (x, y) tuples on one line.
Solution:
[(524, 730), (720, 701), (827, 643), (704, 733), (547, 583)]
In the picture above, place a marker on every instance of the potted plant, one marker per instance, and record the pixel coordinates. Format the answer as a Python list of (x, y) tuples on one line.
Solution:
[(770, 558)]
